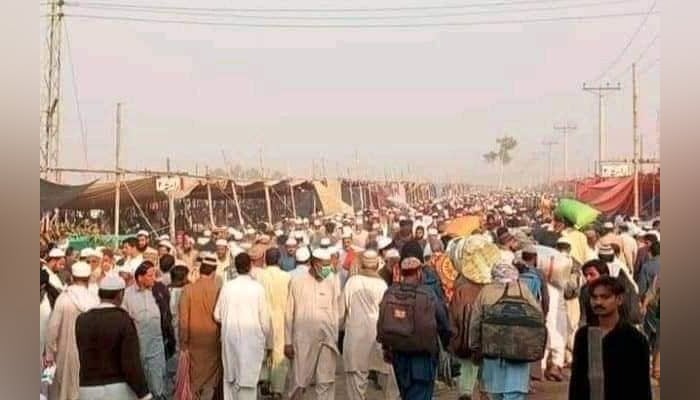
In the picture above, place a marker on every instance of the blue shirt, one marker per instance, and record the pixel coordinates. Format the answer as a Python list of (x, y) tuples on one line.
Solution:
[(287, 262)]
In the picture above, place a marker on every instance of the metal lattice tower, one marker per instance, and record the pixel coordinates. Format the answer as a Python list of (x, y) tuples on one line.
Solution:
[(51, 92)]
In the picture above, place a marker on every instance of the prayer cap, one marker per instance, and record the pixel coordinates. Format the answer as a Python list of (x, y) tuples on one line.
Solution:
[(302, 254), (221, 243), (112, 282), (142, 233), (290, 242), (81, 270), (370, 259), (56, 253), (322, 254), (383, 242)]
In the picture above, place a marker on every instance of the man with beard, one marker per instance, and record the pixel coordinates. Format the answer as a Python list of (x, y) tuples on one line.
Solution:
[(55, 263), (613, 347), (144, 242), (186, 252), (288, 261), (224, 265)]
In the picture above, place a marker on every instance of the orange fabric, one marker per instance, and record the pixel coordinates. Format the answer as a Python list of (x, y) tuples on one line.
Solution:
[(447, 273)]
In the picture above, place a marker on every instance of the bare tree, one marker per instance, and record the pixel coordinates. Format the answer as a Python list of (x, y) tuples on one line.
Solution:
[(503, 156)]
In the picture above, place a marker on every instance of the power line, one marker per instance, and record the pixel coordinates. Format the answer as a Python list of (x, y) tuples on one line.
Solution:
[(641, 55), (204, 12), (629, 43), (83, 132), (322, 26), (322, 10)]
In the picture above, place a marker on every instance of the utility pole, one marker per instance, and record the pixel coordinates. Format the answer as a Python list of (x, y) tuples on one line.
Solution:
[(565, 129), (323, 167), (51, 100), (602, 140), (549, 144), (117, 189), (635, 141), (171, 205), (262, 163)]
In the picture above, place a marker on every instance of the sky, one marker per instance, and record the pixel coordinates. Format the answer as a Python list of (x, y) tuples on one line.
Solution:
[(427, 101)]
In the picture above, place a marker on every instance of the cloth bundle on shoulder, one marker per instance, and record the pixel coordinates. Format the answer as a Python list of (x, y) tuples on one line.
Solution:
[(555, 267), (474, 256), (579, 214)]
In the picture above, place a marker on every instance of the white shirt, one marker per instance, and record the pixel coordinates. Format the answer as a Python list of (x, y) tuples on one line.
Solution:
[(54, 280)]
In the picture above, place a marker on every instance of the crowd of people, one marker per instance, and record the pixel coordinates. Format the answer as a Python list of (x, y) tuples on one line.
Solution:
[(269, 311)]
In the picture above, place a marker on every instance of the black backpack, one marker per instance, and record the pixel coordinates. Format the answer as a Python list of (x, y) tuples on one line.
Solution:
[(407, 321)]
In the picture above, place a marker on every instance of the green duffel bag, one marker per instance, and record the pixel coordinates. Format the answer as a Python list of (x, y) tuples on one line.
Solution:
[(579, 214)]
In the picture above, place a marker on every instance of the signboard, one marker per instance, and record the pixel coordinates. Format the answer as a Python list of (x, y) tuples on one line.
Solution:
[(616, 170), (167, 184)]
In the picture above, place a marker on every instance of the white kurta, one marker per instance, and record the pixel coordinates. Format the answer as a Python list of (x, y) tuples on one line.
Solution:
[(360, 308), (311, 327), (246, 330), (60, 340), (54, 280)]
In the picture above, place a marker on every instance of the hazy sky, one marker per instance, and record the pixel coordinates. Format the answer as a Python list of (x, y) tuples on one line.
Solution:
[(434, 97)]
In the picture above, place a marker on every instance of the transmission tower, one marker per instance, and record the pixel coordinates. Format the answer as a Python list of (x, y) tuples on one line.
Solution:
[(51, 92)]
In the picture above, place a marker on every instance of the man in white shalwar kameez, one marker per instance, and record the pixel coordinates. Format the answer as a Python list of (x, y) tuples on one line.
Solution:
[(61, 347), (359, 310), (246, 331), (311, 329)]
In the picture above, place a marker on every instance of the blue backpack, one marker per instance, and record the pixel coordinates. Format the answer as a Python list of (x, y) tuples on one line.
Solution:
[(533, 282)]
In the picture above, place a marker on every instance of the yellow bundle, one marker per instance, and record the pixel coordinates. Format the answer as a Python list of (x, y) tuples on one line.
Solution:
[(474, 256)]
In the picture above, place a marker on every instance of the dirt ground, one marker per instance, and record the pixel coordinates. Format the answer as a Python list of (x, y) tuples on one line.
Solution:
[(543, 390)]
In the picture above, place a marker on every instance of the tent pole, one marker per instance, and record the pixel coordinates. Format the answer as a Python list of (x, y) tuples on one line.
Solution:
[(291, 195), (268, 203), (238, 205), (211, 209)]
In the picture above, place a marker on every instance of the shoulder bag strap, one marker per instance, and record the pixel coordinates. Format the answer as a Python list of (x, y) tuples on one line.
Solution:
[(596, 378)]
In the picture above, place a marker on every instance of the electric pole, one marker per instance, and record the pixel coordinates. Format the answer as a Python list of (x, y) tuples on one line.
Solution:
[(602, 140), (262, 163), (51, 98), (565, 129), (635, 141), (549, 145)]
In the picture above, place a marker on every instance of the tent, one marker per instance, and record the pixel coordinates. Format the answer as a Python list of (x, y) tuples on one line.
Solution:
[(613, 196), (53, 195)]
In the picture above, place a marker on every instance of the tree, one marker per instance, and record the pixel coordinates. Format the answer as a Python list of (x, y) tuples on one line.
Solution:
[(505, 145)]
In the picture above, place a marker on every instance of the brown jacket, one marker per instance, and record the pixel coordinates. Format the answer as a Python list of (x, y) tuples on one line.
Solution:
[(460, 307)]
